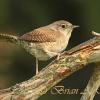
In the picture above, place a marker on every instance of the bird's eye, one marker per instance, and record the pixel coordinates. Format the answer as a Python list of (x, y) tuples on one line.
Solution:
[(63, 25)]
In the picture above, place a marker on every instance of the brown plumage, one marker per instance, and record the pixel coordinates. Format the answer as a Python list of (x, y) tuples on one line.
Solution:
[(40, 35)]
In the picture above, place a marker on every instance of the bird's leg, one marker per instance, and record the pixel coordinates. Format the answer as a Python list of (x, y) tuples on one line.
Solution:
[(58, 55), (36, 66), (54, 53)]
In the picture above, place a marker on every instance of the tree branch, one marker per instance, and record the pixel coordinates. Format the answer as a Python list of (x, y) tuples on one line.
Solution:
[(69, 62), (93, 85)]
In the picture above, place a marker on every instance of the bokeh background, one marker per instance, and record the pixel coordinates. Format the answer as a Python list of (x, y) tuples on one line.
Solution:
[(21, 16)]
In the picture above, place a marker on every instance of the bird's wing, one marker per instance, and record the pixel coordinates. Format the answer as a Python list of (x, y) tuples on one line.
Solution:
[(40, 35)]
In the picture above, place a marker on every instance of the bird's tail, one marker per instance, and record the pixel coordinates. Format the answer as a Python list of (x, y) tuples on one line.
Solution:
[(9, 37)]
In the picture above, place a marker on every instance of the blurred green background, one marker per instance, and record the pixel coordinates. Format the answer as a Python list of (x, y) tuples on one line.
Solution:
[(21, 16)]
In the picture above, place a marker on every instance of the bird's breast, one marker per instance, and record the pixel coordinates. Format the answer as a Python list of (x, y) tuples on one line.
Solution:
[(57, 46)]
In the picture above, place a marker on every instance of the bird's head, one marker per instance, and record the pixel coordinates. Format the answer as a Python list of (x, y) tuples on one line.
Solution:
[(63, 26)]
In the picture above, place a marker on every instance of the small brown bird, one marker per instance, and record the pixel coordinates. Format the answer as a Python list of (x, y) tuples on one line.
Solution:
[(44, 42)]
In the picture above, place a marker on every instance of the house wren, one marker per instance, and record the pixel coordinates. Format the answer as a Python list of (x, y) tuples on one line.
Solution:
[(44, 42)]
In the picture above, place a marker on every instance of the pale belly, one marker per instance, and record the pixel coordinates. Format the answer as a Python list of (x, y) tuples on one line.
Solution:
[(44, 51)]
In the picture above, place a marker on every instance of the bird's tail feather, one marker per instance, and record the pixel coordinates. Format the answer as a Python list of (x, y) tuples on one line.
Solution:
[(9, 37)]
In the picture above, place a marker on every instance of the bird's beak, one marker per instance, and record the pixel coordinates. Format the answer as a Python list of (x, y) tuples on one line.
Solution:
[(74, 26)]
